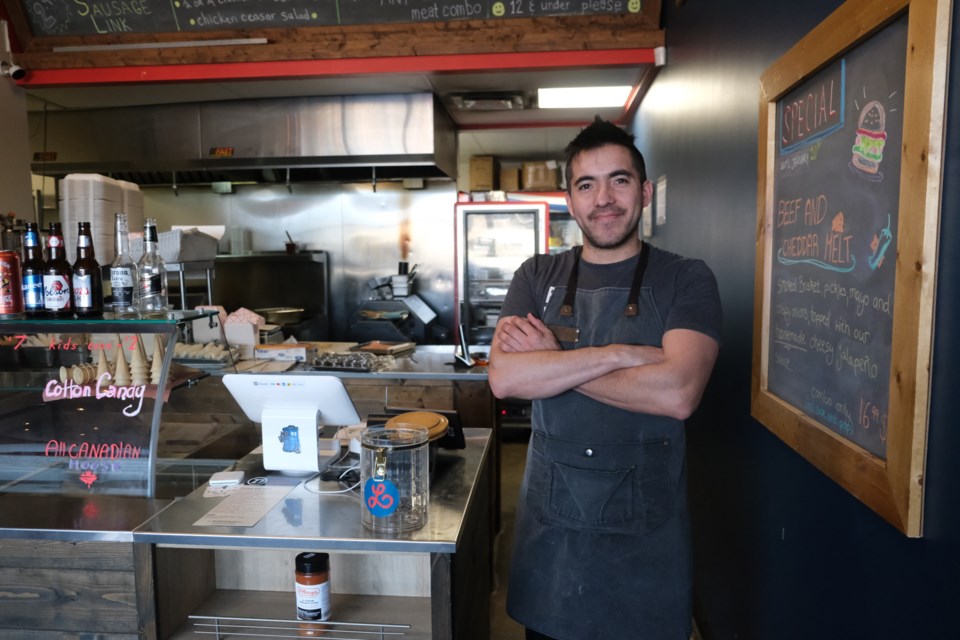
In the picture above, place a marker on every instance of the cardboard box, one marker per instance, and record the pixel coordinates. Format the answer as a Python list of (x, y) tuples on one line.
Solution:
[(243, 336), (510, 178), (541, 176), (204, 332), (484, 173), (287, 352)]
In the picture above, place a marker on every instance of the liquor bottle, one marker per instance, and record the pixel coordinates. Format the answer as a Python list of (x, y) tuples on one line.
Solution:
[(32, 271), (123, 271), (87, 281), (153, 275), (11, 241), (56, 275)]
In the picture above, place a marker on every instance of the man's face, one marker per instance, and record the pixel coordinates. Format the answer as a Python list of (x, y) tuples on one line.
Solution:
[(607, 197)]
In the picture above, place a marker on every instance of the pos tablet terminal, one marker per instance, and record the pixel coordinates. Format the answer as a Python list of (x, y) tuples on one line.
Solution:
[(291, 410)]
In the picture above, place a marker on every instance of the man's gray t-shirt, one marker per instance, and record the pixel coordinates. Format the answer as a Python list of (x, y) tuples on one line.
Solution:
[(684, 290)]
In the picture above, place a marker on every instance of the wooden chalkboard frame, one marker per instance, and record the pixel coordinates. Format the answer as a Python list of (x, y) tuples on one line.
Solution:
[(893, 487)]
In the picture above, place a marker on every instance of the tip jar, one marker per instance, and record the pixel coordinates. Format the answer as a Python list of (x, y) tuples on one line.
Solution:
[(394, 474)]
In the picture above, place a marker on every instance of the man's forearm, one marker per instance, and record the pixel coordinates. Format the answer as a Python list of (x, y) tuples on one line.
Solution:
[(672, 386), (661, 392), (546, 373)]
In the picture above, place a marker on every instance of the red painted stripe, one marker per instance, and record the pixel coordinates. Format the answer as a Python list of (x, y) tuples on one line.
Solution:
[(352, 66)]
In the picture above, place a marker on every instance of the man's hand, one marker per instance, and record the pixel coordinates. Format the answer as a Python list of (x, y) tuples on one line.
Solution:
[(518, 335)]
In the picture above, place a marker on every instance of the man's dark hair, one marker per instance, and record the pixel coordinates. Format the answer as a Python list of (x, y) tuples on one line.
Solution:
[(598, 134)]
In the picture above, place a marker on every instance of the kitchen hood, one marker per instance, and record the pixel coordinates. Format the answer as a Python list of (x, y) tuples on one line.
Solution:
[(301, 139)]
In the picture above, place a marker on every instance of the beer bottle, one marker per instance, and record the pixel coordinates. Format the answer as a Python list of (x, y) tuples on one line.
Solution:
[(87, 281), (56, 275), (32, 271), (123, 271), (153, 275)]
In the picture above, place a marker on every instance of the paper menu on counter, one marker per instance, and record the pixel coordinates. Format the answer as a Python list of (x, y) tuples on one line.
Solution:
[(245, 506)]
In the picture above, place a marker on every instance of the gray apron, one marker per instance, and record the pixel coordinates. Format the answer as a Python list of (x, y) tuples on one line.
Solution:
[(602, 537)]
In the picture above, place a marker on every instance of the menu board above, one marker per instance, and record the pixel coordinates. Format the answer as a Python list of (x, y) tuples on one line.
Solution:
[(98, 17)]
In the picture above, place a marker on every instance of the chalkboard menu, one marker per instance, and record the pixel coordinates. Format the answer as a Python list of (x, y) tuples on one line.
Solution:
[(836, 201), (92, 17), (850, 160)]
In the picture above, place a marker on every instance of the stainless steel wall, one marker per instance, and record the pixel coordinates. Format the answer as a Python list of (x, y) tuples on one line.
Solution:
[(365, 232)]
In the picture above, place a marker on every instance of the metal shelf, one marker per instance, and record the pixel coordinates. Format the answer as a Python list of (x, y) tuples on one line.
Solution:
[(183, 268), (225, 628)]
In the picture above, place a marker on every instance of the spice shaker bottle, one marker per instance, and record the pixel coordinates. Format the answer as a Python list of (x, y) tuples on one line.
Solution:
[(313, 586)]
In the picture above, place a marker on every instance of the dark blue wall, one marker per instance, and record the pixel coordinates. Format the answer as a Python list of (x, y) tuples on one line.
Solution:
[(781, 551)]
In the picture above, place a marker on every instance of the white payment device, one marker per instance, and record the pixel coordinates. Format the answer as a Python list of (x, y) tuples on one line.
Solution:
[(291, 410)]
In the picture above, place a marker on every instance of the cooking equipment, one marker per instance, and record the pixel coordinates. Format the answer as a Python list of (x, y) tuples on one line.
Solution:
[(272, 140), (275, 280), (281, 315), (399, 320)]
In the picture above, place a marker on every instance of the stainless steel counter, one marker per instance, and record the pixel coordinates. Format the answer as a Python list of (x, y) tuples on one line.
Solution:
[(428, 362), (332, 521), (72, 519)]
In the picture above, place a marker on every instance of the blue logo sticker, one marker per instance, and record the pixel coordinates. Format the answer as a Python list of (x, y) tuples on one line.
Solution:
[(381, 497)]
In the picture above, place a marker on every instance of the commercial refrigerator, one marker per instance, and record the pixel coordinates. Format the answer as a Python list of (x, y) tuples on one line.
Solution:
[(492, 241)]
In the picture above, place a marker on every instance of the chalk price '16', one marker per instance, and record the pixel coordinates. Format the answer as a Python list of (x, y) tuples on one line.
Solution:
[(872, 417)]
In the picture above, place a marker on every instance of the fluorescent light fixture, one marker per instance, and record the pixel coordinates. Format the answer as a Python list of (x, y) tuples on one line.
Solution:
[(583, 97)]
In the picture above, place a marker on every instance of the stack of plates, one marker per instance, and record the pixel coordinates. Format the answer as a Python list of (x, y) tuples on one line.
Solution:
[(434, 423), (89, 197)]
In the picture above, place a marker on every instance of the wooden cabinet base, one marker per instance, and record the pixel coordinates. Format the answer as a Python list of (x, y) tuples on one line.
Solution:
[(54, 589)]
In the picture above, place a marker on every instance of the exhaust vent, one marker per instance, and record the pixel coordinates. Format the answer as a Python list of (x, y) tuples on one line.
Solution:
[(323, 138)]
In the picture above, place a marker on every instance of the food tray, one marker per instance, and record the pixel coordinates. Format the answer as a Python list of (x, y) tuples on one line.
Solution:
[(357, 361)]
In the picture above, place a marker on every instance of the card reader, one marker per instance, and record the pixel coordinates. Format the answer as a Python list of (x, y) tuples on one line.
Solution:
[(226, 478)]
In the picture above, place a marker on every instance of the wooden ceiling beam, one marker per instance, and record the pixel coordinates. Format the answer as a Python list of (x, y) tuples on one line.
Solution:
[(454, 38), (290, 69)]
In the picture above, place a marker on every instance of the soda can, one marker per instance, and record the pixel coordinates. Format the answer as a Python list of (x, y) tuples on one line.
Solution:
[(11, 288)]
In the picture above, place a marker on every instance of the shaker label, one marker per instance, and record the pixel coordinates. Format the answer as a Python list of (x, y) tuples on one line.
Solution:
[(33, 292), (56, 292), (83, 291), (313, 601)]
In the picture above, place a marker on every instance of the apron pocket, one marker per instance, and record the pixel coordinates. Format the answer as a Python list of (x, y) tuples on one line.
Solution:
[(625, 488), (590, 497)]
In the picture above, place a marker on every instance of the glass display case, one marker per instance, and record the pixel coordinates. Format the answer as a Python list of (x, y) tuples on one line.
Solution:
[(493, 240), (81, 403)]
